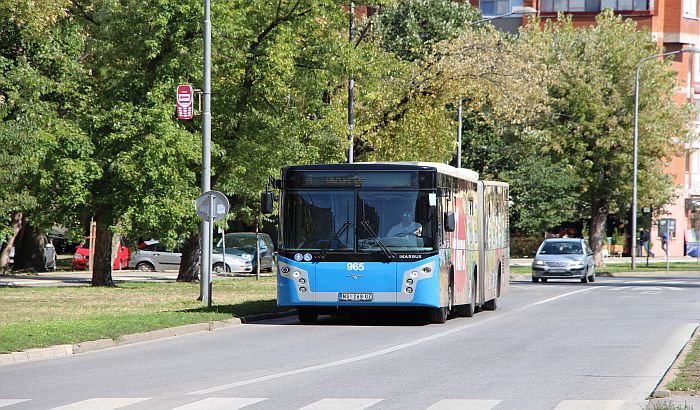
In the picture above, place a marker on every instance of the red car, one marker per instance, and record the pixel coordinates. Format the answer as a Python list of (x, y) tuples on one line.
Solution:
[(82, 255)]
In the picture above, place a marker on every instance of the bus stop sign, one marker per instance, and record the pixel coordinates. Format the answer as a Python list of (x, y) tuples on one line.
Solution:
[(212, 205), (185, 102)]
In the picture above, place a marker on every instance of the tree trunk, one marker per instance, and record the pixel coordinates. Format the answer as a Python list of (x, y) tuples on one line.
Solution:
[(16, 224), (599, 216), (189, 265), (102, 263), (29, 250)]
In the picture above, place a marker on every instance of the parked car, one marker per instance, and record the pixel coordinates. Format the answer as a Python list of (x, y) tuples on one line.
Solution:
[(82, 255), (563, 258), (240, 253), (154, 256), (49, 256)]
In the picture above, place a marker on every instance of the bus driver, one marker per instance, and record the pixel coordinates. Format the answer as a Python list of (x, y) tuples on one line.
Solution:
[(407, 226)]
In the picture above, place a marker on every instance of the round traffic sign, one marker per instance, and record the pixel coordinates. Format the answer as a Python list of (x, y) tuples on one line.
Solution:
[(212, 205)]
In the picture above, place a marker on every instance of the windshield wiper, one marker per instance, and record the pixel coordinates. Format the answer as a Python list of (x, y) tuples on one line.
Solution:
[(336, 237), (383, 247)]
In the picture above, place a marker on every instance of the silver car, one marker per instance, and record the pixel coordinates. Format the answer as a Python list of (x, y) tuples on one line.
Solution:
[(563, 258), (154, 256)]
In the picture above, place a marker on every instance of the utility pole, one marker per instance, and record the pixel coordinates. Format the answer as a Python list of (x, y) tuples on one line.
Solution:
[(205, 228), (351, 90), (459, 135)]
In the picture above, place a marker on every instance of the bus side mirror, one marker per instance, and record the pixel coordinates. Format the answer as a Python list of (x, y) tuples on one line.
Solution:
[(267, 202), (449, 222)]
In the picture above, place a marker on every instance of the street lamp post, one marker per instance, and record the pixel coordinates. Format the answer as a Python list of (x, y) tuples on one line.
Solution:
[(636, 143)]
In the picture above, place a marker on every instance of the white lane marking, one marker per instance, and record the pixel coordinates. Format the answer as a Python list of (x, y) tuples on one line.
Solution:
[(464, 404), (590, 405), (341, 404), (378, 352), (219, 404), (10, 402), (560, 296), (104, 403)]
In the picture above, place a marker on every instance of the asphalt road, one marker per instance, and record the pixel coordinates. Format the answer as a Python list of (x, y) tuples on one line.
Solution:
[(548, 346)]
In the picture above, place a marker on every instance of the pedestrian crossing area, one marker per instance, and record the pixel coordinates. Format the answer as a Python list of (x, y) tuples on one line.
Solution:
[(221, 403)]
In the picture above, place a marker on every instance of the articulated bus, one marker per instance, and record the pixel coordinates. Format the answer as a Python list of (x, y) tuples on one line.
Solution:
[(387, 235)]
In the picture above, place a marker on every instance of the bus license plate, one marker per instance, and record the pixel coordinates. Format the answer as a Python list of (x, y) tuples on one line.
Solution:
[(355, 297)]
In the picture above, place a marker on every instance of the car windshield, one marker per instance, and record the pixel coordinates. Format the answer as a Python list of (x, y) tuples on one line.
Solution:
[(366, 221), (238, 244), (561, 248)]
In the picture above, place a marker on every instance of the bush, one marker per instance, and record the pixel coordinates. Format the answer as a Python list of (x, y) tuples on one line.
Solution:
[(523, 246)]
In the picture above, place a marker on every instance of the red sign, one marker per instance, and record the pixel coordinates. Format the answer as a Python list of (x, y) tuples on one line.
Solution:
[(185, 102)]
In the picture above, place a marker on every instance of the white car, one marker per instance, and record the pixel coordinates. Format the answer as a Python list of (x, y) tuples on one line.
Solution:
[(237, 261)]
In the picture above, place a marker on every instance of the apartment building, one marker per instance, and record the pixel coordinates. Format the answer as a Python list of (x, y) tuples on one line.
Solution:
[(674, 24)]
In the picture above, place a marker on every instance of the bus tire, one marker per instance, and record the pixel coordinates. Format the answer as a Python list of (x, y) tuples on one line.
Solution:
[(437, 315), (464, 310), (491, 304), (307, 314)]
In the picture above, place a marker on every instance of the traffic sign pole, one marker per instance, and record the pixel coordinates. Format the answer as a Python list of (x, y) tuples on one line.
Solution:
[(206, 157), (211, 244)]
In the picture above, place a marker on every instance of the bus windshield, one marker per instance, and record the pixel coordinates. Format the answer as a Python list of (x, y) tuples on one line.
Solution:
[(358, 221)]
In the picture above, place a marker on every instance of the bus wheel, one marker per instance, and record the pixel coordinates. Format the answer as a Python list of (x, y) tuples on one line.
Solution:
[(307, 314), (491, 304), (437, 315)]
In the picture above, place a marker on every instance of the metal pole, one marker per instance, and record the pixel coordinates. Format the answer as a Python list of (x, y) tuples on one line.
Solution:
[(459, 135), (257, 252), (634, 165), (205, 227), (668, 242), (351, 91), (211, 244)]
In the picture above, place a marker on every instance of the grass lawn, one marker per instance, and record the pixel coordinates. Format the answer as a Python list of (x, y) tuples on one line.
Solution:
[(44, 316), (688, 377)]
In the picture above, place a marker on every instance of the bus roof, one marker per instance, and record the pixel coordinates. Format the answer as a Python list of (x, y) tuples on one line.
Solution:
[(497, 183), (462, 173)]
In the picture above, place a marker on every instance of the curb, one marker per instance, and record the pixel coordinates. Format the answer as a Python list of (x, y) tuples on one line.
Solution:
[(93, 345), (661, 391)]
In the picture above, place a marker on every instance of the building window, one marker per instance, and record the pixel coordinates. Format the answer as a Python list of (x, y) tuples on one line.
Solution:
[(593, 5), (667, 225), (498, 7), (690, 8)]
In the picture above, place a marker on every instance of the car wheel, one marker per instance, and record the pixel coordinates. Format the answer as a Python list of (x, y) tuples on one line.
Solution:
[(535, 280), (544, 280), (220, 268), (592, 277), (307, 314), (144, 267), (584, 279)]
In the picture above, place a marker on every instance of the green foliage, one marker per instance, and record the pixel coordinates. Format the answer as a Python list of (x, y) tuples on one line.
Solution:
[(46, 157), (588, 127), (409, 28)]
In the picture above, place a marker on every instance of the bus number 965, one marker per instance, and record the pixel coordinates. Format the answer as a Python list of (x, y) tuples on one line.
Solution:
[(356, 266)]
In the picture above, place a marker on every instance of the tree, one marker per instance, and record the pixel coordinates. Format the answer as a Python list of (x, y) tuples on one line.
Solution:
[(46, 157), (590, 122), (148, 160)]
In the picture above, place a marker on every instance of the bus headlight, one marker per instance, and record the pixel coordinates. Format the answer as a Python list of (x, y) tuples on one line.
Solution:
[(302, 280), (409, 281), (414, 274), (296, 274), (409, 290), (302, 289)]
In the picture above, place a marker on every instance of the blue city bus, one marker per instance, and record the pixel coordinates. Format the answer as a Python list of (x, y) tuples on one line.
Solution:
[(390, 235)]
